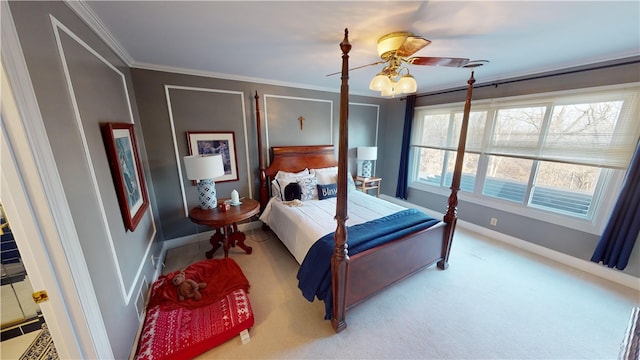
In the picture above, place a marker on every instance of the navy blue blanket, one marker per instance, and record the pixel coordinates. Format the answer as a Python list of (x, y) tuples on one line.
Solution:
[(314, 275)]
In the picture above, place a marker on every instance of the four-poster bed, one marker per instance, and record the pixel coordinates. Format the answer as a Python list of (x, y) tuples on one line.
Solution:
[(355, 278)]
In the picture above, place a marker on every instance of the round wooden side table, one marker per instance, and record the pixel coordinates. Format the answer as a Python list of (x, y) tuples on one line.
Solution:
[(226, 224)]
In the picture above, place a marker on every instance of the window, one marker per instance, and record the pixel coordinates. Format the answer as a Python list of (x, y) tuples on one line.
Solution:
[(552, 153), (437, 135)]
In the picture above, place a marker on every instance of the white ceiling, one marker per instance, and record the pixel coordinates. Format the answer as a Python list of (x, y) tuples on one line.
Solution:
[(295, 43)]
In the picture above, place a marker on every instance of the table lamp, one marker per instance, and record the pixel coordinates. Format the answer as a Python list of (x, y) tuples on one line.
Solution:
[(205, 168), (366, 154)]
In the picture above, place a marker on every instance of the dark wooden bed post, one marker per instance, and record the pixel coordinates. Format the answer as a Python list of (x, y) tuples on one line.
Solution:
[(340, 257), (264, 192), (451, 217)]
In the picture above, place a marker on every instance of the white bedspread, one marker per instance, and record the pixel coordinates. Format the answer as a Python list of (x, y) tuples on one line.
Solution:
[(298, 227)]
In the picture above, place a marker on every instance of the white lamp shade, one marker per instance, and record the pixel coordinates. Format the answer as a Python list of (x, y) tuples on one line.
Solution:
[(379, 82), (390, 90), (200, 167), (407, 84), (367, 153)]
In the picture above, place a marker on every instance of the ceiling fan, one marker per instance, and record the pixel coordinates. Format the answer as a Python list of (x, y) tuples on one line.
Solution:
[(395, 50)]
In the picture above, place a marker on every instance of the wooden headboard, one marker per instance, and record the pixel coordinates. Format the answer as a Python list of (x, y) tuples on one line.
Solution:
[(294, 159)]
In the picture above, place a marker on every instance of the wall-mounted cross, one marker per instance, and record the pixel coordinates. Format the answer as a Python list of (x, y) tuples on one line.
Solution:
[(301, 119)]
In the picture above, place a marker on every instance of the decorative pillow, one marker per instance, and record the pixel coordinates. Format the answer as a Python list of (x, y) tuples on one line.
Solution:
[(281, 184), (330, 176), (285, 174), (304, 181), (327, 175), (275, 189), (327, 191), (309, 187), (292, 191), (330, 169)]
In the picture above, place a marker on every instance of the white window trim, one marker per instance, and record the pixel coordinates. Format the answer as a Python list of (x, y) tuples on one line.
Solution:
[(594, 226), (602, 202)]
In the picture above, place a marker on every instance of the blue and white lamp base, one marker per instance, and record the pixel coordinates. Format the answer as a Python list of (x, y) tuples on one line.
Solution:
[(207, 194), (366, 168)]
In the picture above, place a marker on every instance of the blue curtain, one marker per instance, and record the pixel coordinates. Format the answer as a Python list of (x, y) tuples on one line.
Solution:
[(621, 233), (403, 171)]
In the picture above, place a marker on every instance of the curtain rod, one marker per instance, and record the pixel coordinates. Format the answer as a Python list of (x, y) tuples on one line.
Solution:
[(536, 77)]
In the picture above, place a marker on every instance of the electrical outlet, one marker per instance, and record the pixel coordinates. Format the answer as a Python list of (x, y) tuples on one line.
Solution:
[(494, 221)]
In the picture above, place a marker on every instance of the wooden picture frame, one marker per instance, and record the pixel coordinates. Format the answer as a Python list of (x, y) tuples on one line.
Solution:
[(222, 142), (126, 169)]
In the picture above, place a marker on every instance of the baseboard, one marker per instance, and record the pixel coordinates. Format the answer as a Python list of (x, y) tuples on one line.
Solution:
[(574, 262), (590, 267)]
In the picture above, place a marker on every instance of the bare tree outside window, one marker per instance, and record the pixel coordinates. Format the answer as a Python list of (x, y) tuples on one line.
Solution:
[(551, 155)]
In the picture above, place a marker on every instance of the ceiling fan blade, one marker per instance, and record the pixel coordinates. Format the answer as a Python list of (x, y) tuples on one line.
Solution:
[(411, 45), (438, 61), (358, 67)]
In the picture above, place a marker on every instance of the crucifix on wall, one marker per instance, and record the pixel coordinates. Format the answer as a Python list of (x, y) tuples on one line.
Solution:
[(301, 119)]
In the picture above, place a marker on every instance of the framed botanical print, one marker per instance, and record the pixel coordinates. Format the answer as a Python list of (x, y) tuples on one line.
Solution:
[(223, 143), (126, 169)]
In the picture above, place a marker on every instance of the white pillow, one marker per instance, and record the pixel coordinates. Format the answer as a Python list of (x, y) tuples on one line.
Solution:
[(351, 185), (307, 183), (329, 175), (285, 174), (275, 189), (330, 169), (309, 187), (326, 176)]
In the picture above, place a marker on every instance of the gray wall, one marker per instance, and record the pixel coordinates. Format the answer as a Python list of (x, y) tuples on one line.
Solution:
[(104, 88), (207, 104), (566, 240), (101, 92), (97, 88)]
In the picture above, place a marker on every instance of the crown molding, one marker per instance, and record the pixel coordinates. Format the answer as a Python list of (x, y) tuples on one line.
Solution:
[(223, 76), (82, 9), (92, 20)]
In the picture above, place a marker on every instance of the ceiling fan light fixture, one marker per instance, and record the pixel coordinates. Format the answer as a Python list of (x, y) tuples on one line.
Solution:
[(388, 44), (390, 90), (387, 92), (396, 49), (407, 84), (379, 82)]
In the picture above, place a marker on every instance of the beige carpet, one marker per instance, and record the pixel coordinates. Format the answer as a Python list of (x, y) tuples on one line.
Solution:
[(494, 302)]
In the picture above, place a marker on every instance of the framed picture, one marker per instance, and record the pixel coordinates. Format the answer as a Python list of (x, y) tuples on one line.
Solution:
[(122, 151), (223, 143)]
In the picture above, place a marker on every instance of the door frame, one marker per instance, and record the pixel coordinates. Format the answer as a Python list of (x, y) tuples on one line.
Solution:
[(34, 199)]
